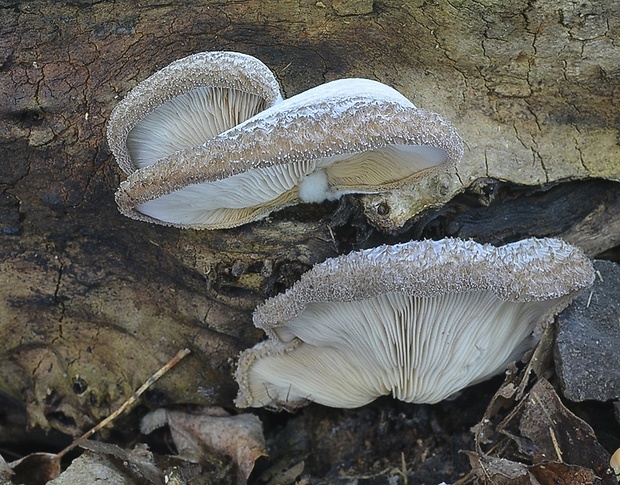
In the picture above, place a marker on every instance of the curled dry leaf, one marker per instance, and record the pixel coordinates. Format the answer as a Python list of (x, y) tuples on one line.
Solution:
[(93, 467), (557, 433), (36, 468), (102, 461), (499, 471), (558, 446), (213, 431), (138, 462)]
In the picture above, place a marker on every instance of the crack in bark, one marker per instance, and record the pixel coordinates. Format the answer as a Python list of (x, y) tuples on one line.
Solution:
[(59, 302), (580, 151)]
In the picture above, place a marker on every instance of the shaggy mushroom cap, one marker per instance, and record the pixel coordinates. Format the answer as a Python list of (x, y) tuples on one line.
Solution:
[(420, 321), (347, 136), (186, 103)]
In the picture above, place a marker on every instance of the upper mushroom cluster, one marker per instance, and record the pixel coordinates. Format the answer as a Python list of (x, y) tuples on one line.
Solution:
[(208, 142)]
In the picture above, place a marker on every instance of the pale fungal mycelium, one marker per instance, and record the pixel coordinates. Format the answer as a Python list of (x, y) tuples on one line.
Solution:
[(186, 103), (346, 136), (419, 321)]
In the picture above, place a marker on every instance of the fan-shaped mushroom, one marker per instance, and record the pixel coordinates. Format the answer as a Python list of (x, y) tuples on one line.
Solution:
[(419, 320), (186, 103), (351, 135)]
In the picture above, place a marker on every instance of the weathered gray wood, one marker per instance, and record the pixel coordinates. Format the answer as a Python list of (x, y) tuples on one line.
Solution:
[(586, 346)]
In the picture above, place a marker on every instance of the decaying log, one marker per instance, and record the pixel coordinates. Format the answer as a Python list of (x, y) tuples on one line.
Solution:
[(92, 303)]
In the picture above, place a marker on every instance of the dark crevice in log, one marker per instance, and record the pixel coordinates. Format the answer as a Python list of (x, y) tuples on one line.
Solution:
[(497, 212)]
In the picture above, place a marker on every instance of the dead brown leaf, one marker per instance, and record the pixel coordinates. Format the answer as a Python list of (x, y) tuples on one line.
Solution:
[(553, 432), (36, 468), (196, 436), (500, 471), (490, 469), (544, 442), (514, 387), (137, 462), (554, 473)]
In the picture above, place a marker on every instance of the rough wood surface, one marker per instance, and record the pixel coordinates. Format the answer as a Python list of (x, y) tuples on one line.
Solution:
[(586, 346), (92, 303)]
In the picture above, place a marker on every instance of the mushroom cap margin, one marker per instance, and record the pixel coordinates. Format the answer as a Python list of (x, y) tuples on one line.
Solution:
[(217, 69)]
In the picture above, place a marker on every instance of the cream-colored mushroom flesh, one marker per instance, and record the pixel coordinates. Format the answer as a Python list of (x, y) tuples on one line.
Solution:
[(347, 136), (186, 103), (419, 321)]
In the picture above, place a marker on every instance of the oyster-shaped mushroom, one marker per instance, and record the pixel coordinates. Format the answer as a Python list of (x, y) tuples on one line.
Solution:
[(347, 136), (186, 103), (419, 320)]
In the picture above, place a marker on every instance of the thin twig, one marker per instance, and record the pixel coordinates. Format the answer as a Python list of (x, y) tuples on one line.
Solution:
[(556, 446), (134, 397)]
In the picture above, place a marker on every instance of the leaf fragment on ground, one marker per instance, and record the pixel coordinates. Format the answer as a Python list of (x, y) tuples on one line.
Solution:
[(544, 443), (92, 467), (196, 436), (35, 468), (500, 471), (5, 471)]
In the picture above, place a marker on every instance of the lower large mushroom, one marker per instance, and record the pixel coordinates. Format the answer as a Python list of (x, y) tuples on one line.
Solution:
[(419, 320)]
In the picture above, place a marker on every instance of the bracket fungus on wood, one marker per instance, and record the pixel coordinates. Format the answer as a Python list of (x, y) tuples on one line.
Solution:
[(419, 320), (346, 136), (186, 103)]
